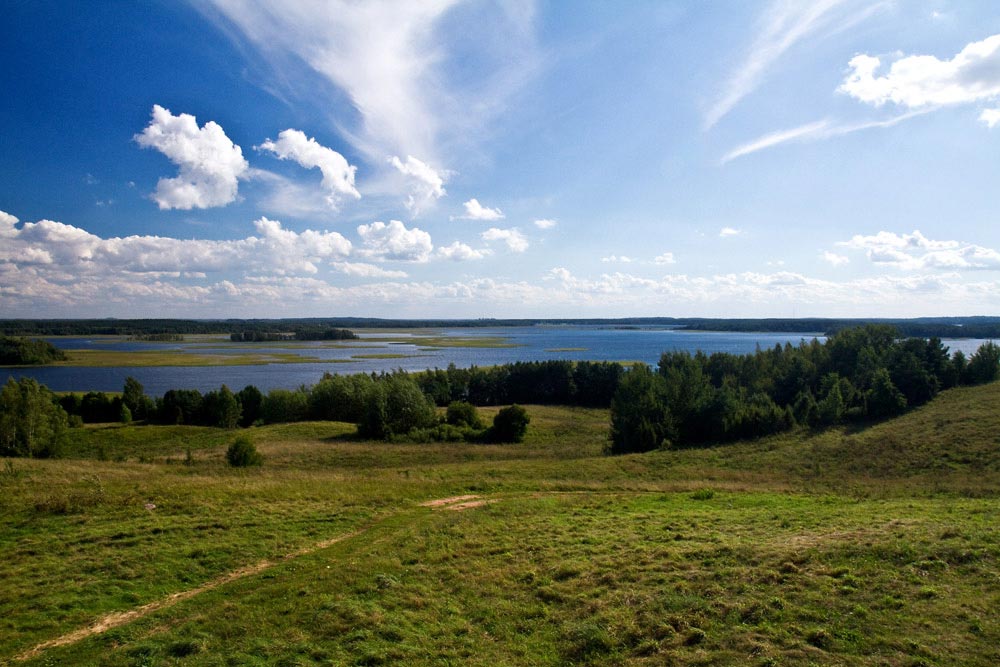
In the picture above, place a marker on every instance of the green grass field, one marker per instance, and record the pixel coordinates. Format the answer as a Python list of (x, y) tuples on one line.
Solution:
[(863, 546)]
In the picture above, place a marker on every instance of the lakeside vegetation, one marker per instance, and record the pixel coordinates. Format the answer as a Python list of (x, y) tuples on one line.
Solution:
[(860, 546), (28, 352), (376, 519)]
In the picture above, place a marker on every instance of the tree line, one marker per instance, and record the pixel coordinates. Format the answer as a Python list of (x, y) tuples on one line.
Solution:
[(861, 373), (689, 399), (28, 352), (301, 333)]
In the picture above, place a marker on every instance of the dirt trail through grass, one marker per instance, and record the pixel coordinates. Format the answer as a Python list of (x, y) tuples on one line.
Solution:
[(119, 618)]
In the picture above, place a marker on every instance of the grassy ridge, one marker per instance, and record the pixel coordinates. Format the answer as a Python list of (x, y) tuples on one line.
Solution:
[(871, 546)]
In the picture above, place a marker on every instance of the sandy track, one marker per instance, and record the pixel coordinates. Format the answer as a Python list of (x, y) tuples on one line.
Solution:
[(119, 618)]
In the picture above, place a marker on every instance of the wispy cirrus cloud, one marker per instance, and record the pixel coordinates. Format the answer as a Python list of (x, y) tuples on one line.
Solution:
[(814, 131), (783, 25), (390, 60)]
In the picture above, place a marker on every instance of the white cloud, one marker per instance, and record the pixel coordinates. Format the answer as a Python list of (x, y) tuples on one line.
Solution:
[(72, 250), (364, 270), (338, 175), (613, 259), (49, 269), (921, 81), (815, 131), (210, 165), (476, 211), (917, 252), (665, 258), (834, 259), (395, 241), (427, 183), (991, 117), (514, 239), (393, 62), (781, 26), (545, 223), (461, 252), (727, 232)]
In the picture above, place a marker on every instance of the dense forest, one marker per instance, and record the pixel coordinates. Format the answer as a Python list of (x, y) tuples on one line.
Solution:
[(862, 373), (300, 333), (942, 327), (26, 351)]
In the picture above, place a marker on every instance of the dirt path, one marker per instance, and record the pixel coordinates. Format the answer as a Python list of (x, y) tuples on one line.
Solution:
[(119, 618)]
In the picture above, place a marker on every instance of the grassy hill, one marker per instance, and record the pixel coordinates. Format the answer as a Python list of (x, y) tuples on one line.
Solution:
[(870, 546)]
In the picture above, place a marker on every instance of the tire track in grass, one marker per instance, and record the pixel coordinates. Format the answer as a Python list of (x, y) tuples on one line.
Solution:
[(119, 618)]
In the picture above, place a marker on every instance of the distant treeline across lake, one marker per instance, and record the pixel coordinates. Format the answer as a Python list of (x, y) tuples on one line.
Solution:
[(402, 349)]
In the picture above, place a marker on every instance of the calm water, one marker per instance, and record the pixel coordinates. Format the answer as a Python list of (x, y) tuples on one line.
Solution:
[(533, 343)]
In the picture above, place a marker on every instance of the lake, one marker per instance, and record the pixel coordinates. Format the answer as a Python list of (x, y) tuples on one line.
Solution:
[(532, 343)]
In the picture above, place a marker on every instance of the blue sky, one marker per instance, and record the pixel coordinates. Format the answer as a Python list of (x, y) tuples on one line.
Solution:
[(499, 159)]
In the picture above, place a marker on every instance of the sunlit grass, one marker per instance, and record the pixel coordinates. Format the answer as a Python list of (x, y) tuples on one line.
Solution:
[(867, 546)]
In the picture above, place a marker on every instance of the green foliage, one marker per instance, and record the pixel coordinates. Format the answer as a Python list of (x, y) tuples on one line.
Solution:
[(251, 402), (283, 405), (463, 413), (31, 421), (125, 415), (509, 425), (243, 453), (984, 364), (640, 418), (340, 397), (884, 399), (220, 408), (28, 351), (134, 398)]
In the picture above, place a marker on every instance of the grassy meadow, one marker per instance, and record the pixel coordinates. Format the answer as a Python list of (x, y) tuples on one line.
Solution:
[(863, 546)]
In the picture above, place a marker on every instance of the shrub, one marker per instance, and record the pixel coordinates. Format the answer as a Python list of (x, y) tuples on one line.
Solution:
[(462, 413), (243, 453), (509, 425)]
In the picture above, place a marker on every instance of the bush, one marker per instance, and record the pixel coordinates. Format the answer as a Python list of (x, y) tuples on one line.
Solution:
[(243, 453), (462, 413), (509, 425)]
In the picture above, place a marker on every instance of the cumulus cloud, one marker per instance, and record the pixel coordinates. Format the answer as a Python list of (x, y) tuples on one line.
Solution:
[(50, 269), (991, 117), (727, 232), (476, 211), (395, 241), (973, 74), (613, 259), (209, 164), (338, 175), (426, 183), (514, 239), (545, 223), (834, 259), (665, 258), (74, 251), (915, 252), (461, 252), (363, 270)]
